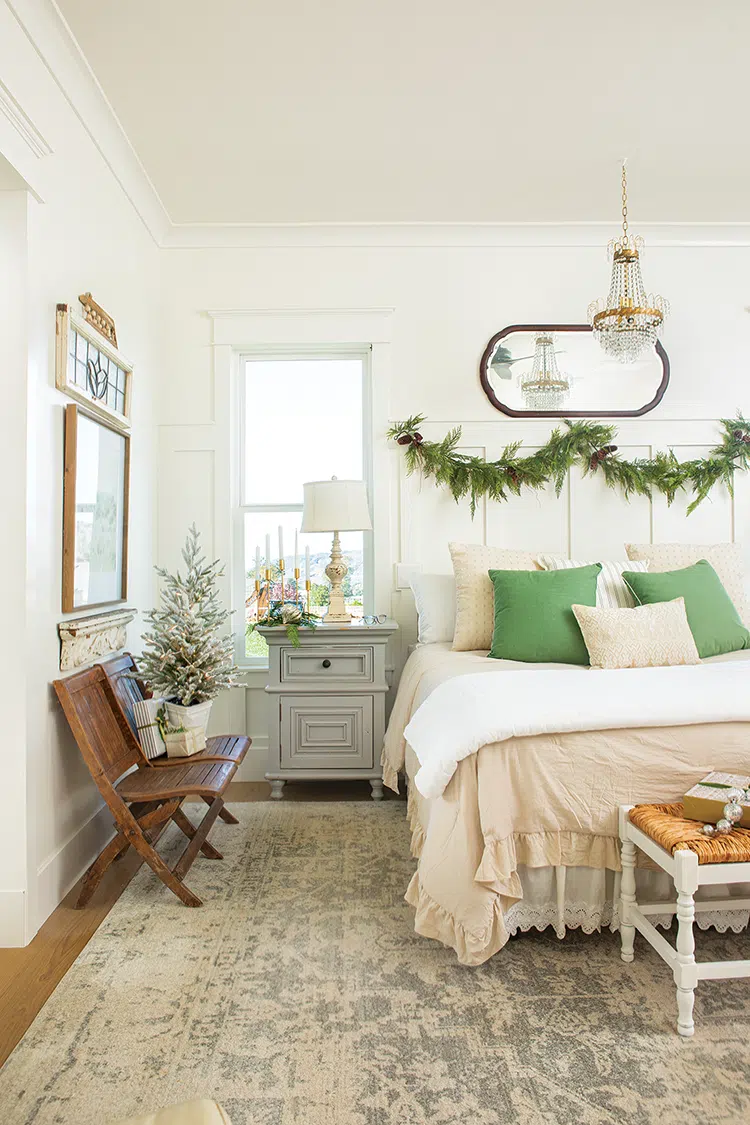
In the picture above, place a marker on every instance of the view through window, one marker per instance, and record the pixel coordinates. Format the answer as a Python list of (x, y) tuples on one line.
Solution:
[(303, 420)]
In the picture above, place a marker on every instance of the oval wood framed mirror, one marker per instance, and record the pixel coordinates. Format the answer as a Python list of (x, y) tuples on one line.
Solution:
[(559, 371)]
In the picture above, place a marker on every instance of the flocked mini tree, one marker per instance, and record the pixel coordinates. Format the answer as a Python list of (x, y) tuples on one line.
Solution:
[(186, 659)]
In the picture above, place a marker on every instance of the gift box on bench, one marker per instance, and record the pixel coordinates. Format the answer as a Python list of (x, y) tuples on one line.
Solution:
[(706, 800), (184, 743)]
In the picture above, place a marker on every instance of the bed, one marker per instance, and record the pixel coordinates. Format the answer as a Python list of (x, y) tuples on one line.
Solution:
[(524, 832)]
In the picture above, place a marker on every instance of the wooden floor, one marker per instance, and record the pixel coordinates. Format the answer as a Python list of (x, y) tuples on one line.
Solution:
[(29, 976)]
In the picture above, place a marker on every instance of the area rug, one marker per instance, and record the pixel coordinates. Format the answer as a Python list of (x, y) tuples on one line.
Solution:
[(299, 993)]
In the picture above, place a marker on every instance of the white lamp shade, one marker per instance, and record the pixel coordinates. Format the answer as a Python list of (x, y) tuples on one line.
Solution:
[(335, 505)]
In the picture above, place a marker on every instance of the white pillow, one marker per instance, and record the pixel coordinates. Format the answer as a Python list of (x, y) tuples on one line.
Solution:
[(475, 596), (725, 558), (435, 599), (611, 591)]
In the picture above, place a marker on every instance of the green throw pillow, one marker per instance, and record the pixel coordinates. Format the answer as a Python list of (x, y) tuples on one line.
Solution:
[(713, 620), (534, 620)]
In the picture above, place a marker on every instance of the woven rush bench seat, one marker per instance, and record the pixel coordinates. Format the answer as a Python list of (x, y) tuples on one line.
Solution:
[(693, 860), (666, 826)]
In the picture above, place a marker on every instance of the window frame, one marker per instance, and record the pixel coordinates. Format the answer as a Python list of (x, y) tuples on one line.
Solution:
[(363, 354)]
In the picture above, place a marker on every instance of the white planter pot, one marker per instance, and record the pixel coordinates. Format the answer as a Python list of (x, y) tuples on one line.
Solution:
[(192, 718)]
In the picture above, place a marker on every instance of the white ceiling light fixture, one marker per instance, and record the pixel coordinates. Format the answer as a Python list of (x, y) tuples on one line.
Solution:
[(544, 387), (628, 322)]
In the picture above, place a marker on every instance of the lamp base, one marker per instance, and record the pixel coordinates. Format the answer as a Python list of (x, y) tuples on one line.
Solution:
[(337, 571)]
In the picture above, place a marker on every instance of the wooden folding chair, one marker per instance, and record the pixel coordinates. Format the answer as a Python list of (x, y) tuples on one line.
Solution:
[(122, 673), (144, 801)]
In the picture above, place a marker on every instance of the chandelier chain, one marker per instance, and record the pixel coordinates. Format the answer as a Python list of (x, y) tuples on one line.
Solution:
[(624, 200)]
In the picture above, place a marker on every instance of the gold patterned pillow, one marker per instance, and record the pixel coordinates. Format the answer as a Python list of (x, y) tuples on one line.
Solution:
[(475, 599), (649, 636), (725, 558)]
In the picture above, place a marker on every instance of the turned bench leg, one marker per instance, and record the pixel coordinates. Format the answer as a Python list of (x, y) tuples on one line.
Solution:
[(376, 784), (277, 789), (685, 971), (627, 890)]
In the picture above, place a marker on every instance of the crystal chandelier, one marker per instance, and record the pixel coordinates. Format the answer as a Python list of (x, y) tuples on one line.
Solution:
[(627, 323), (544, 387)]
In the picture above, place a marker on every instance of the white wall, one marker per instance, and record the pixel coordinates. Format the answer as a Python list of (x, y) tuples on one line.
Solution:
[(13, 310), (81, 233), (449, 293)]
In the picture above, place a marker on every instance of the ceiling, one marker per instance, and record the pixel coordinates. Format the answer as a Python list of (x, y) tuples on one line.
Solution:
[(429, 110)]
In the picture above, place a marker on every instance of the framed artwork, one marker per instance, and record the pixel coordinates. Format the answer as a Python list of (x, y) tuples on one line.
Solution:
[(90, 369), (95, 511)]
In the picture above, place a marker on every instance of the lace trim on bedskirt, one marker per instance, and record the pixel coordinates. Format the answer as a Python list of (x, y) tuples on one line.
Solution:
[(588, 917), (473, 948), (498, 869)]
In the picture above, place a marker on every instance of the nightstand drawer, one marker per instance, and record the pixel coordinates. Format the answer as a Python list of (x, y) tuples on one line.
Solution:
[(331, 732), (319, 664)]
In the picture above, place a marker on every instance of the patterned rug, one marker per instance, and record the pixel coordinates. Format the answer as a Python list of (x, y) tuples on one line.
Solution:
[(299, 993)]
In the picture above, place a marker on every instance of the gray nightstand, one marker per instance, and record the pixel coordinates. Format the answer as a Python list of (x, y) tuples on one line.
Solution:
[(327, 704)]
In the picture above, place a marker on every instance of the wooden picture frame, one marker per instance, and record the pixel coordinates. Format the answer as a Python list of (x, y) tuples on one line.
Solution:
[(90, 369), (96, 495)]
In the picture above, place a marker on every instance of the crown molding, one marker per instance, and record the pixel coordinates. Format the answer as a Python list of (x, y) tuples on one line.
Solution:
[(46, 29), (23, 124), (44, 26), (385, 236)]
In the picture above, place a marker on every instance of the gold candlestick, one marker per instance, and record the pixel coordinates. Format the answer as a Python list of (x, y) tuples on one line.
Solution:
[(257, 599), (307, 593), (296, 584), (268, 590), (281, 568)]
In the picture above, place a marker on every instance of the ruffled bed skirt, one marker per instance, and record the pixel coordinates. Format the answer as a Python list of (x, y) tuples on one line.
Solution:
[(562, 898), (563, 880)]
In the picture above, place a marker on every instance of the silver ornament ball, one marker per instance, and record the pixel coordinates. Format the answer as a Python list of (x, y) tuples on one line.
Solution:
[(723, 827), (733, 811), (736, 795), (708, 830)]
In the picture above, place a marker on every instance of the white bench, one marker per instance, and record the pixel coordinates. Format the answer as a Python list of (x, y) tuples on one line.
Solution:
[(687, 874)]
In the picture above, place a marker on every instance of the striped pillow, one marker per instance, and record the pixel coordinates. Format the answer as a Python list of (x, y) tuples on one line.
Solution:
[(611, 591)]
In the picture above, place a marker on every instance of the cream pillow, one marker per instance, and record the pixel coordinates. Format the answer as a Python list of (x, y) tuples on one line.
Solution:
[(725, 558), (611, 591), (475, 599), (648, 636)]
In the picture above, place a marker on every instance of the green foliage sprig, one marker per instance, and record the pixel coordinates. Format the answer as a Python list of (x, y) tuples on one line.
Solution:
[(589, 445), (291, 615)]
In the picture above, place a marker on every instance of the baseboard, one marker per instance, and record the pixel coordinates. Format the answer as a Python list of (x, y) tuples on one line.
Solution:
[(254, 766), (12, 919), (62, 870)]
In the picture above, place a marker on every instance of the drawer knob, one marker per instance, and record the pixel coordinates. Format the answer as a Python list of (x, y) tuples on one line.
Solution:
[(326, 664)]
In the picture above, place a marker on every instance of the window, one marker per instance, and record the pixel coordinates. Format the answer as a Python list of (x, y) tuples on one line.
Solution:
[(302, 418)]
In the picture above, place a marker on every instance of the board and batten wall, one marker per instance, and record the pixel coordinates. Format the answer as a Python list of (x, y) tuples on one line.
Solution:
[(428, 299), (67, 225)]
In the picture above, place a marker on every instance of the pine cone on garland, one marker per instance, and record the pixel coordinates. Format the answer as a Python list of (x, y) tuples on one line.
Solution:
[(410, 439), (740, 435), (600, 455)]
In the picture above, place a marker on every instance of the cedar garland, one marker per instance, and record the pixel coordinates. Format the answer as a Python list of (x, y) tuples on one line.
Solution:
[(589, 445)]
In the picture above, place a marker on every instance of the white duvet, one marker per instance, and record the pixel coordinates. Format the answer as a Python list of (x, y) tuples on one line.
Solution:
[(467, 712)]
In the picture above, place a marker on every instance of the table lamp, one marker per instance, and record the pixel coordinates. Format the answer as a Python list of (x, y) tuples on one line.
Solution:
[(336, 505)]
